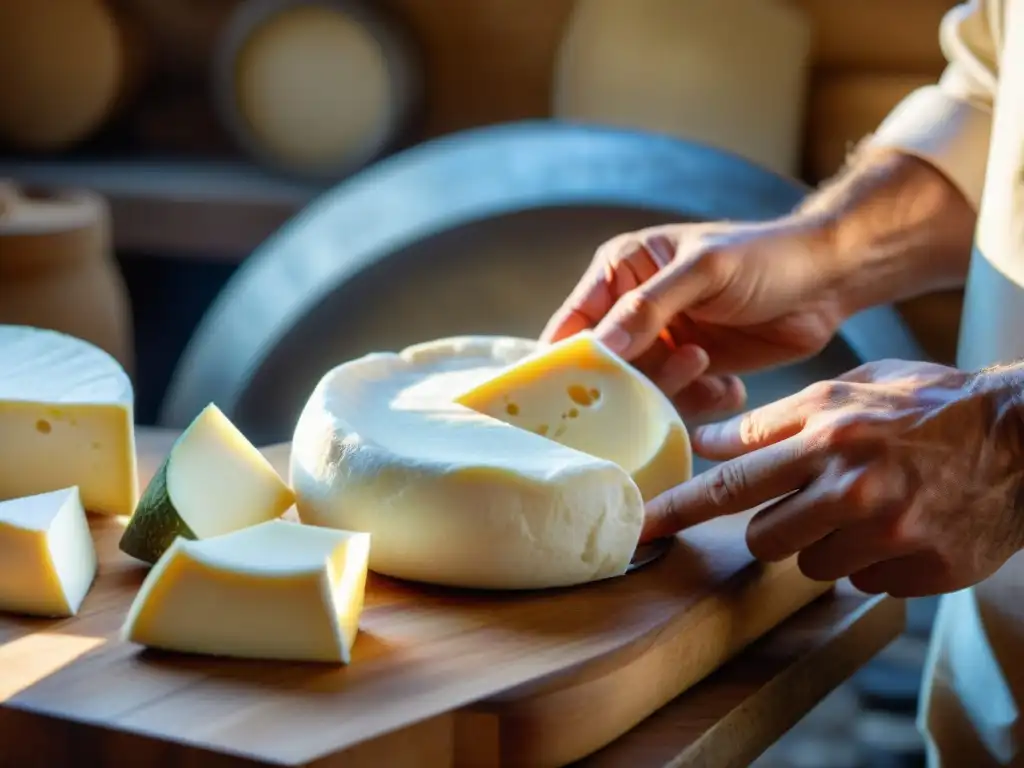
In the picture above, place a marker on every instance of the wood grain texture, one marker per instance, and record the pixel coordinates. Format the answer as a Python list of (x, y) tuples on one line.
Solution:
[(439, 677), (730, 718)]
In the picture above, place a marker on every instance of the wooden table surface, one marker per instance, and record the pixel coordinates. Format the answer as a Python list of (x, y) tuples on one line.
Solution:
[(726, 720), (737, 713)]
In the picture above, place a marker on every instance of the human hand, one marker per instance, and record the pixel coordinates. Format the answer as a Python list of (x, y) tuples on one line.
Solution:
[(693, 304), (904, 476)]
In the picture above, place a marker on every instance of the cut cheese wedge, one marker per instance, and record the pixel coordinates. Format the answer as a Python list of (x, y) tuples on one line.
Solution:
[(66, 419), (47, 558), (275, 591), (450, 495), (580, 394), (212, 482)]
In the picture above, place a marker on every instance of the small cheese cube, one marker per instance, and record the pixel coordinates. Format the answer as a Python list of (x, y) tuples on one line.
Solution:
[(275, 591)]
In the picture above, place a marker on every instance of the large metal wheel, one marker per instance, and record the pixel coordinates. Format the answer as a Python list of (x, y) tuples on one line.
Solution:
[(479, 232)]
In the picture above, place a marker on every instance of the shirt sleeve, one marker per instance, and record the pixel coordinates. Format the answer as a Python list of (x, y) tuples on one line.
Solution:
[(949, 124)]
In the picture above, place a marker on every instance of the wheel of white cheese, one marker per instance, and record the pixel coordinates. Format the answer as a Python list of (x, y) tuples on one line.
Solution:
[(457, 497)]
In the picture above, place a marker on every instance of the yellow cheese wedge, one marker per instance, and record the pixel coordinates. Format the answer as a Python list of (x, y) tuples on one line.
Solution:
[(275, 591), (580, 394), (66, 419), (212, 482), (450, 495), (47, 558)]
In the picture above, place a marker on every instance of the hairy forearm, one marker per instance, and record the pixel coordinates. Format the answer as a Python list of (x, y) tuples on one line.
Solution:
[(898, 228)]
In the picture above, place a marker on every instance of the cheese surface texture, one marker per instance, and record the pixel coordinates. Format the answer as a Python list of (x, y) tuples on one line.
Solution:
[(47, 558), (67, 419), (450, 495), (275, 591), (212, 482), (579, 394)]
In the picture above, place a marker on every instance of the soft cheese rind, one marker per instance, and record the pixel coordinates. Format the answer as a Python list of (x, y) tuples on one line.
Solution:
[(452, 496), (67, 419), (47, 558)]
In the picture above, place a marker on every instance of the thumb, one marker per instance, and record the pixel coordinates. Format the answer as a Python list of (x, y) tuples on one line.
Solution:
[(633, 324)]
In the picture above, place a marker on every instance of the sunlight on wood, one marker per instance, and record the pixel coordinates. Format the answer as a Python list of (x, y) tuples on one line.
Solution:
[(30, 659)]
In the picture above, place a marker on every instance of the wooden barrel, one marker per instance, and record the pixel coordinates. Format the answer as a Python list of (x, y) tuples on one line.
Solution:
[(57, 269), (315, 87)]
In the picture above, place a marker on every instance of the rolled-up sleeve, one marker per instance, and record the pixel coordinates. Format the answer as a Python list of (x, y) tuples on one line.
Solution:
[(949, 124)]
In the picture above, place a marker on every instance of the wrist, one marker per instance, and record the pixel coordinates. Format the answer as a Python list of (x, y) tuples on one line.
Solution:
[(896, 228)]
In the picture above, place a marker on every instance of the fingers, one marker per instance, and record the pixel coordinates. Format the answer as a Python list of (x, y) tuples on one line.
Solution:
[(633, 323), (916, 575), (841, 497), (732, 487), (710, 395), (852, 549), (770, 423), (680, 369), (619, 266)]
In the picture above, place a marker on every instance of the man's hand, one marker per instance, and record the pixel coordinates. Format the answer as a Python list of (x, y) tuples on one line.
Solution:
[(693, 304), (905, 476)]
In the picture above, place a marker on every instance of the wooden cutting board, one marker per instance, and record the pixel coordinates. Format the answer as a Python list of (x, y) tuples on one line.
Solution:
[(439, 677)]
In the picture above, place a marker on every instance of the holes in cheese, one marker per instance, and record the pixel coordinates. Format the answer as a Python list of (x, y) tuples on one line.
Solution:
[(212, 482), (47, 558), (67, 419), (274, 591), (450, 495), (580, 394)]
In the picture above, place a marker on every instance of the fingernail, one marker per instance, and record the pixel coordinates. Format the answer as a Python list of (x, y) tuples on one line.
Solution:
[(709, 434), (616, 339)]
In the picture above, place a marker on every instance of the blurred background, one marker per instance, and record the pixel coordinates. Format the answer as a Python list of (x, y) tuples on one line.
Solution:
[(168, 166)]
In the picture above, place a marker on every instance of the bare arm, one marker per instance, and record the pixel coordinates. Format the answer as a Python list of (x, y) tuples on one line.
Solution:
[(902, 214)]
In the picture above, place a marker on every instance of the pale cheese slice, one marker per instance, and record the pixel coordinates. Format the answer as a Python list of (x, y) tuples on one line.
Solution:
[(47, 558), (580, 394), (212, 482), (275, 591), (66, 419), (452, 496)]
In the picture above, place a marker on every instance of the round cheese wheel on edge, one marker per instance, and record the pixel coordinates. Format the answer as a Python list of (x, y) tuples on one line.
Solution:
[(314, 87), (64, 68), (456, 497)]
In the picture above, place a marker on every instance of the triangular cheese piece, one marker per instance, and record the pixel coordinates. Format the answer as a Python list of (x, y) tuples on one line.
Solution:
[(47, 557)]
